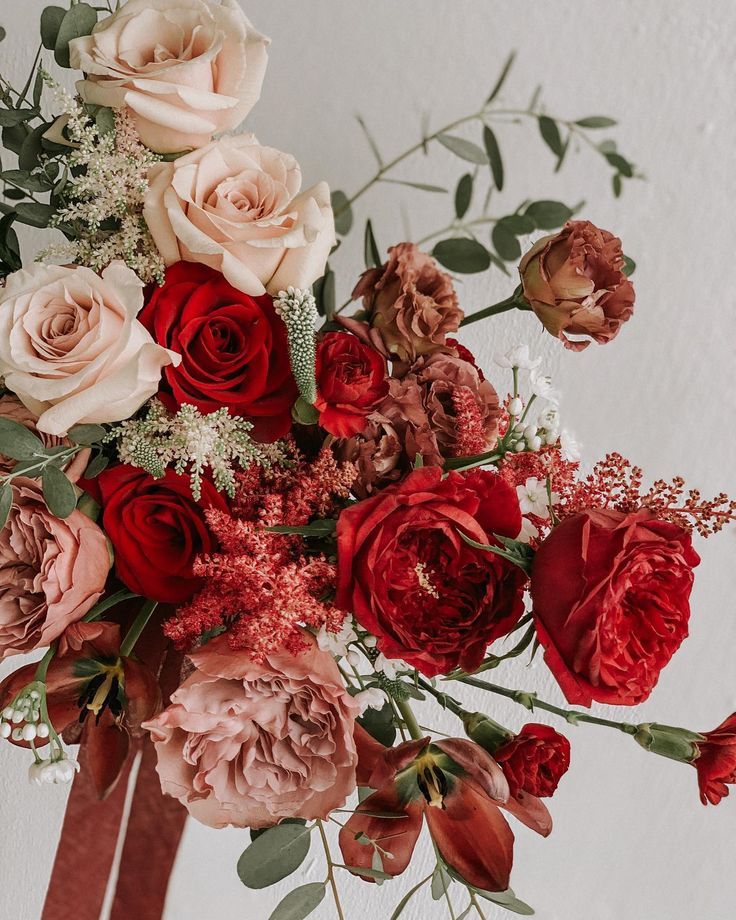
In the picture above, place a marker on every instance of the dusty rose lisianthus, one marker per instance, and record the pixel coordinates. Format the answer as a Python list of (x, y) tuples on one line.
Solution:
[(236, 206), (248, 744), (51, 571), (185, 69)]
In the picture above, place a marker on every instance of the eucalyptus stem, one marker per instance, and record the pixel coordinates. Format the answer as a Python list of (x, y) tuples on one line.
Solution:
[(56, 459), (330, 870), (139, 624), (409, 719), (514, 302), (531, 701)]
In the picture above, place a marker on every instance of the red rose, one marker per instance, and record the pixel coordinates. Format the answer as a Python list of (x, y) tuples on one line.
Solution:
[(233, 347), (156, 529), (610, 592), (351, 381), (410, 578), (535, 760), (716, 761)]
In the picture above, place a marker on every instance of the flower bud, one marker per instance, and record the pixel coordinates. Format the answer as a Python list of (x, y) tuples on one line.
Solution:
[(515, 406), (485, 732), (668, 741)]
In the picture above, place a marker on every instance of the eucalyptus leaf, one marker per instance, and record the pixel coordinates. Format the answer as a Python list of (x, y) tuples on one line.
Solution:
[(86, 434), (505, 242), (463, 195), (548, 215), (462, 254), (519, 224), (342, 211), (441, 882), (34, 214), (14, 194), (494, 156), (320, 528), (304, 413), (370, 247), (33, 182), (58, 493), (324, 293), (620, 163), (96, 465), (30, 152), (274, 855), (550, 134), (79, 20), (376, 874), (379, 723), (10, 117), (616, 184), (502, 78), (17, 442), (6, 500), (51, 19), (3, 34), (422, 186), (596, 121), (300, 902), (464, 149), (629, 266), (14, 137), (105, 120)]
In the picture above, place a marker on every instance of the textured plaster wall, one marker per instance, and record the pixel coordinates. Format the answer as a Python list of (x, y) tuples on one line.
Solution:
[(631, 841)]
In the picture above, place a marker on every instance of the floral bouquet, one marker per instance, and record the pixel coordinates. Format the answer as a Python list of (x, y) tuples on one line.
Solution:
[(255, 533)]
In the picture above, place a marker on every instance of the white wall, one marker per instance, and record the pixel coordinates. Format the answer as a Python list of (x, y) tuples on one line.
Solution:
[(631, 839)]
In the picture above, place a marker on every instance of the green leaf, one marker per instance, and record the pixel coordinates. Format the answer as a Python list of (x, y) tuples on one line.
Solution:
[(441, 882), (520, 554), (300, 902), (304, 413), (550, 134), (324, 293), (3, 33), (463, 195), (342, 211), (504, 239), (508, 901), (105, 120), (466, 150), (494, 157), (629, 266), (10, 117), (86, 434), (370, 247), (14, 194), (379, 723), (616, 183), (422, 186), (51, 19), (77, 21), (407, 897), (376, 874), (6, 500), (9, 249), (14, 137), (620, 163), (34, 214), (371, 142), (275, 854), (519, 224), (463, 255), (17, 442), (37, 89), (324, 527), (596, 121), (502, 78), (96, 465), (32, 182), (30, 152), (548, 215), (58, 492)]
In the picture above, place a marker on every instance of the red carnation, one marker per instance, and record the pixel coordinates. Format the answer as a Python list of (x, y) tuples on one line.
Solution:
[(233, 347), (351, 381), (535, 760), (611, 602), (716, 761), (409, 577), (156, 529)]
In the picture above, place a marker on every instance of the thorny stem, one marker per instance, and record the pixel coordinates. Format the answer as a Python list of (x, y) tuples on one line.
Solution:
[(531, 701), (139, 624), (330, 871)]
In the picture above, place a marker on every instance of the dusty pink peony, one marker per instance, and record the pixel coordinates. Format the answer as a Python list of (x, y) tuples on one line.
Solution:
[(51, 571), (12, 408), (248, 744), (185, 69)]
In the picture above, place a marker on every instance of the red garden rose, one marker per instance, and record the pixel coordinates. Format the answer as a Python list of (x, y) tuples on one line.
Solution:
[(611, 602), (410, 578), (233, 348), (535, 760), (156, 529), (716, 761), (351, 381)]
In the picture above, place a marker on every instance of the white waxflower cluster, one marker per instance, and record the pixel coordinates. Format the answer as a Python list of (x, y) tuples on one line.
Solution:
[(192, 441), (298, 310), (21, 720), (105, 187)]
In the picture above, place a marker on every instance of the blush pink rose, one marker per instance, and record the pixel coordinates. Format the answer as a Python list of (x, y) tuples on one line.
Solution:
[(51, 571), (235, 206), (12, 408), (71, 347), (185, 69), (248, 744)]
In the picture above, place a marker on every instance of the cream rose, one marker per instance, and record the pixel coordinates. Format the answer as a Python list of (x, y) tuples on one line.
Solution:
[(186, 69), (71, 347), (234, 205)]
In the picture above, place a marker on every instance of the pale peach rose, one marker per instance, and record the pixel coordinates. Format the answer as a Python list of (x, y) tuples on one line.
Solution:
[(185, 69), (235, 206), (51, 571), (71, 347), (12, 408), (248, 744)]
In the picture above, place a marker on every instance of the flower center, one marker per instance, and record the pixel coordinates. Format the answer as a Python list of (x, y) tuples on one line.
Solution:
[(431, 781)]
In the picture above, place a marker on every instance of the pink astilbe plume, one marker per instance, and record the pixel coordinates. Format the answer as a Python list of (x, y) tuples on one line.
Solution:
[(262, 586), (472, 437)]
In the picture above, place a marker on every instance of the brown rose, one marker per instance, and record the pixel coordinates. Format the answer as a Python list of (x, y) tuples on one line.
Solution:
[(574, 282)]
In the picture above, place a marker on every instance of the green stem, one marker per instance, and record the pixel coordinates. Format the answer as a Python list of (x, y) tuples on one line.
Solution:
[(514, 302), (330, 871), (57, 459), (409, 719), (108, 602), (531, 701), (43, 664), (139, 624), (444, 699)]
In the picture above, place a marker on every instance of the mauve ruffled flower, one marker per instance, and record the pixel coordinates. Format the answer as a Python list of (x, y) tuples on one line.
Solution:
[(52, 571), (412, 304), (12, 408), (249, 744)]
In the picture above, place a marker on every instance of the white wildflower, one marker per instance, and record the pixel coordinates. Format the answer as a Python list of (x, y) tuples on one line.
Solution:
[(372, 698), (389, 666), (47, 772), (517, 357), (534, 498), (298, 310), (569, 446), (337, 642), (528, 531), (541, 385)]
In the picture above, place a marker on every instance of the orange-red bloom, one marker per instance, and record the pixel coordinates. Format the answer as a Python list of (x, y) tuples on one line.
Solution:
[(716, 761)]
